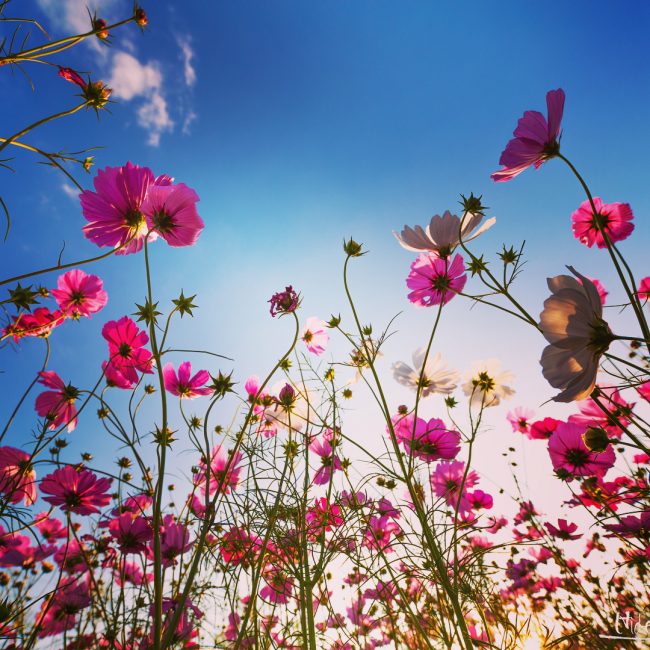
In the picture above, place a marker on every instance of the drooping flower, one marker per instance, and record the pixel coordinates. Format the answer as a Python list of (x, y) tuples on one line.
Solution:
[(170, 211), (79, 294), (571, 457), (284, 302), (442, 234), (564, 530), (486, 383), (17, 476), (39, 323), (434, 378), (58, 405), (75, 491), (435, 280), (536, 139), (184, 385), (315, 336), (126, 348), (572, 323), (114, 209), (611, 219), (72, 76)]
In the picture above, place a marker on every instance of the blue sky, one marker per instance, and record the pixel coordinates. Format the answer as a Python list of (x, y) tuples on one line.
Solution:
[(300, 124)]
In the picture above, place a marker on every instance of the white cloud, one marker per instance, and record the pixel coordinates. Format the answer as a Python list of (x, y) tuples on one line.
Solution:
[(190, 117), (70, 190), (153, 115), (187, 55), (129, 78)]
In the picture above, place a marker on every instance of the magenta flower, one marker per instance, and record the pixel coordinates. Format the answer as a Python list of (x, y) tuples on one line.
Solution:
[(536, 139), (315, 336), (612, 219), (126, 348), (570, 456), (379, 532), (58, 405), (59, 611), (644, 290), (564, 530), (543, 429), (330, 462), (183, 385), (17, 551), (617, 416), (479, 500), (72, 76), (435, 280), (131, 533), (284, 302), (76, 491), (429, 441), (170, 210), (446, 482), (39, 323), (240, 547), (50, 529), (79, 294), (115, 377), (520, 419), (279, 585), (223, 474), (17, 476), (114, 210), (174, 541)]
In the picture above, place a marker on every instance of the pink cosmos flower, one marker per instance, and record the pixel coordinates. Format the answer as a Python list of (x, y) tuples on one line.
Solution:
[(58, 405), (131, 533), (183, 385), (174, 541), (644, 290), (50, 529), (224, 471), (570, 456), (115, 378), (240, 547), (114, 210), (73, 557), (59, 611), (520, 419), (170, 211), (617, 416), (564, 530), (76, 491), (446, 481), (315, 336), (543, 429), (435, 280), (284, 302), (428, 440), (330, 462), (479, 500), (16, 550), (644, 390), (602, 292), (39, 323), (131, 572), (379, 532), (279, 585), (126, 348), (79, 294), (17, 476), (536, 139), (613, 219), (322, 516), (72, 76)]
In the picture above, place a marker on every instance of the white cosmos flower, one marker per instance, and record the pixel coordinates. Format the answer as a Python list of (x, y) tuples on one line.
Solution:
[(435, 379), (573, 325), (441, 235), (486, 384)]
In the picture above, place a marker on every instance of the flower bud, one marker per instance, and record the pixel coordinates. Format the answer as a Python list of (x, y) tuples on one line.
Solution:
[(352, 248), (595, 439)]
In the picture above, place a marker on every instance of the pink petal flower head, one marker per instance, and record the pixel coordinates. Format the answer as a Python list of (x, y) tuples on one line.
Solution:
[(443, 233), (428, 440), (175, 541), (435, 280), (39, 323), (224, 472), (284, 302), (126, 348), (130, 533), (616, 417), (520, 419), (79, 294), (17, 476), (170, 211), (611, 219), (330, 462), (644, 290), (536, 139), (564, 530), (578, 336), (446, 481), (570, 456), (114, 209), (78, 491), (183, 385), (542, 429), (58, 405), (50, 529), (115, 378), (315, 336)]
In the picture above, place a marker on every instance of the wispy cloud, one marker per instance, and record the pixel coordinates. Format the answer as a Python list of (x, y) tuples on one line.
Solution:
[(70, 190), (187, 56), (131, 79)]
